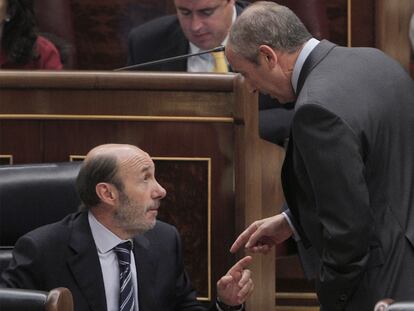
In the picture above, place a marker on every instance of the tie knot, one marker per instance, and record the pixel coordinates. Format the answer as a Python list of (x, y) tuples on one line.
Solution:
[(218, 55), (123, 252), (220, 62)]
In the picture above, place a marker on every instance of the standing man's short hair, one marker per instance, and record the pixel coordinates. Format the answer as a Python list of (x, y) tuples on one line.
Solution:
[(270, 24)]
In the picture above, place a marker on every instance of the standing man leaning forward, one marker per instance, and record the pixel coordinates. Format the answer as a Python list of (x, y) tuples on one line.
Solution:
[(348, 176), (86, 251)]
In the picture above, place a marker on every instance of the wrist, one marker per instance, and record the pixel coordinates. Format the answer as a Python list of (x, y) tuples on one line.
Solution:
[(224, 307)]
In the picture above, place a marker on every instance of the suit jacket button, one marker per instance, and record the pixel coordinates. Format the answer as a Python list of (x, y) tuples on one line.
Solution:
[(343, 297)]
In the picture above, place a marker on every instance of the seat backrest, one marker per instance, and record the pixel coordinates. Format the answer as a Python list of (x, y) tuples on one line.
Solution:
[(55, 22), (33, 195), (58, 299)]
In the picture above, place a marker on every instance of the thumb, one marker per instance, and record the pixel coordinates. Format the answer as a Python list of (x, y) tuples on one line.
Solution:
[(254, 238)]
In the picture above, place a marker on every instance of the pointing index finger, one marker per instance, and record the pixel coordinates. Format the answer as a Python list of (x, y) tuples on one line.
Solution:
[(243, 238), (241, 264)]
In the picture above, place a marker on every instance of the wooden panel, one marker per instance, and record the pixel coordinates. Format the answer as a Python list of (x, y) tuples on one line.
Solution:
[(22, 142), (361, 23), (313, 13), (272, 199), (187, 206), (6, 159), (393, 18), (102, 27), (337, 16)]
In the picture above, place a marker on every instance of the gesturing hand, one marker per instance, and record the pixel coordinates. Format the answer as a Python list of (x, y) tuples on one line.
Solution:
[(263, 234), (236, 286)]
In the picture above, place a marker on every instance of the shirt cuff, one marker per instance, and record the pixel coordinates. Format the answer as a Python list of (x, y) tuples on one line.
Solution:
[(235, 308), (296, 236)]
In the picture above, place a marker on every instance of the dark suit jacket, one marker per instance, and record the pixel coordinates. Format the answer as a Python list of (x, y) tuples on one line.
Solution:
[(163, 38), (64, 254), (348, 175)]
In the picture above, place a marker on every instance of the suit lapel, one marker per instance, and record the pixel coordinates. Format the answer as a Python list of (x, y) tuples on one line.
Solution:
[(314, 58), (288, 174), (85, 264), (179, 46), (146, 265), (287, 182)]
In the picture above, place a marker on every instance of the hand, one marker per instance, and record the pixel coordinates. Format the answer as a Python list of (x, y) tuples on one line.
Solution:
[(236, 286), (263, 234)]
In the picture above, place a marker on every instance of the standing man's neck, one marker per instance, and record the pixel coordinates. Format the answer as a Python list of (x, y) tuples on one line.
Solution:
[(288, 60)]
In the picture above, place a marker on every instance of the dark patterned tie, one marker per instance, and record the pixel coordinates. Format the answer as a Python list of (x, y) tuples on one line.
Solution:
[(126, 289)]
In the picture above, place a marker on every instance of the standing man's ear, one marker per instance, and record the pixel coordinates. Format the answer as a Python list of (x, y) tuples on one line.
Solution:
[(107, 193), (267, 55)]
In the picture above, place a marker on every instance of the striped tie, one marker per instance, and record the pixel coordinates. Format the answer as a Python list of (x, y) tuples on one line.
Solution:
[(126, 289)]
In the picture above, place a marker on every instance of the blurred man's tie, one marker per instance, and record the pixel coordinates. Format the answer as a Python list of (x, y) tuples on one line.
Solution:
[(220, 62)]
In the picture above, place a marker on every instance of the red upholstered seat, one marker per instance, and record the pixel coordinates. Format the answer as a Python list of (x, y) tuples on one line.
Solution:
[(55, 21)]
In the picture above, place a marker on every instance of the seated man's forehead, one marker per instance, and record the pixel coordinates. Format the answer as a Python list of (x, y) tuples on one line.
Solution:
[(197, 4)]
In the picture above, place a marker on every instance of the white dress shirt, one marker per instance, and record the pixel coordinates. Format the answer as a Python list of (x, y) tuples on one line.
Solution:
[(105, 241), (303, 55)]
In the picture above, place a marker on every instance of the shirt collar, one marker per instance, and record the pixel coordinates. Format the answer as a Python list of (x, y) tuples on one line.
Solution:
[(196, 49), (105, 239), (303, 55)]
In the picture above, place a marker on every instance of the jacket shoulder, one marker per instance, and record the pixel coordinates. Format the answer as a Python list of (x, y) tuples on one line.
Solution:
[(241, 5), (155, 30), (162, 229), (53, 233)]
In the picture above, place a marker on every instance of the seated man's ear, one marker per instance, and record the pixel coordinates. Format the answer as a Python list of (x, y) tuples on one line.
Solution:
[(107, 193)]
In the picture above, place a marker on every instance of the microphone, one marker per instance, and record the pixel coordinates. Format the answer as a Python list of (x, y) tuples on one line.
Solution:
[(170, 59)]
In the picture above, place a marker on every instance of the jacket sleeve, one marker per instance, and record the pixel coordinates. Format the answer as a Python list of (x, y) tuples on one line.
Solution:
[(332, 157), (24, 270)]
